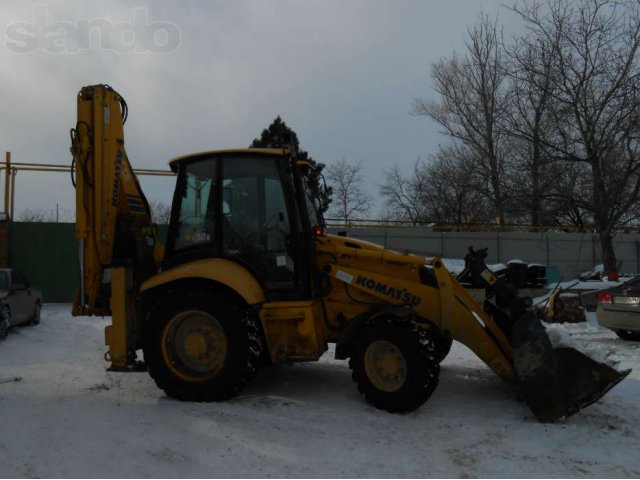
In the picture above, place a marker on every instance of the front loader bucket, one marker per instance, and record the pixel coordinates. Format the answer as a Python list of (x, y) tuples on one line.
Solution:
[(556, 382)]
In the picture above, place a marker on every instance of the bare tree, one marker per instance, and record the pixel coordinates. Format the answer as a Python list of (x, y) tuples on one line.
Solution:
[(441, 190), (404, 197), (453, 193), (160, 212), (596, 74), (472, 99), (37, 216), (347, 183), (528, 121)]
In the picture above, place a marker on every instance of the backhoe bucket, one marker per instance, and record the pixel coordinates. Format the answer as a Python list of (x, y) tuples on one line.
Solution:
[(556, 382)]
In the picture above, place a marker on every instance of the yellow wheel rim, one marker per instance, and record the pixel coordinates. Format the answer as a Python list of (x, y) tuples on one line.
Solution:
[(194, 346), (385, 366)]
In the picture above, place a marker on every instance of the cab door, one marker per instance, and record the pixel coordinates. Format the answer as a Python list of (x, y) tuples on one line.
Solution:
[(260, 227)]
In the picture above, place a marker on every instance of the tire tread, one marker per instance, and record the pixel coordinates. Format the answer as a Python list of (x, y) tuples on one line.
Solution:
[(232, 378)]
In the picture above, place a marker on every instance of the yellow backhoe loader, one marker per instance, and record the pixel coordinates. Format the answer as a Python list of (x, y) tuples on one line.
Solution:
[(248, 275)]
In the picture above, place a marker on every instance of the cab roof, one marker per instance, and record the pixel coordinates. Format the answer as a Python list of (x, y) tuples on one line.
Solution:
[(173, 163)]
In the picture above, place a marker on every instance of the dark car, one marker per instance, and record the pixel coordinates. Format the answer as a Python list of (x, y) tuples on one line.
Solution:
[(20, 302), (619, 309)]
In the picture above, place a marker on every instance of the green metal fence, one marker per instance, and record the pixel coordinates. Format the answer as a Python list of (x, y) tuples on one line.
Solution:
[(47, 254)]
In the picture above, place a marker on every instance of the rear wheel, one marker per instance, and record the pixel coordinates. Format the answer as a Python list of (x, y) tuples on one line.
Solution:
[(628, 335), (395, 364), (201, 345)]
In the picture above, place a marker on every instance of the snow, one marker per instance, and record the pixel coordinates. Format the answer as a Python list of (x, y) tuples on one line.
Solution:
[(454, 265), (496, 267), (68, 417), (597, 269), (561, 335), (517, 261)]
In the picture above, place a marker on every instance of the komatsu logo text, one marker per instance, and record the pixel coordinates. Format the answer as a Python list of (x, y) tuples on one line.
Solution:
[(116, 180), (401, 294)]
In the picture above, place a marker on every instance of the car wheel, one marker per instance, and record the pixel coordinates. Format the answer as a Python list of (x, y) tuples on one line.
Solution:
[(35, 318), (4, 323), (628, 335)]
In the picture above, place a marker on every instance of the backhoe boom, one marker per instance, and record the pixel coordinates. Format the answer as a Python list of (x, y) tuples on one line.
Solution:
[(113, 223), (117, 243)]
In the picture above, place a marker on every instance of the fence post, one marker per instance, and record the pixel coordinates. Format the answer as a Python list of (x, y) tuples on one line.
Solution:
[(7, 175), (546, 235)]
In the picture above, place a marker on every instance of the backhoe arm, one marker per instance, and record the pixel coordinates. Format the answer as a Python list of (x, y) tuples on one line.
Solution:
[(113, 223)]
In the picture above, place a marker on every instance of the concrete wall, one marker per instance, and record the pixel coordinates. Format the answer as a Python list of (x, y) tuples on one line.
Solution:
[(572, 253)]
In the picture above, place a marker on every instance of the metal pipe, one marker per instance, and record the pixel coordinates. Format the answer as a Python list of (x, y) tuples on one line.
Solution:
[(7, 174), (50, 167), (11, 169), (32, 164), (13, 189)]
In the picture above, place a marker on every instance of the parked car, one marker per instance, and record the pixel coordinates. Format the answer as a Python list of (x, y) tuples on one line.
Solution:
[(20, 302), (619, 309)]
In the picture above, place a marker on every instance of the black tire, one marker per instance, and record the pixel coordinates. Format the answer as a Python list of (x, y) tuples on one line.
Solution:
[(231, 343), (443, 346), (35, 318), (628, 335), (5, 316), (411, 350)]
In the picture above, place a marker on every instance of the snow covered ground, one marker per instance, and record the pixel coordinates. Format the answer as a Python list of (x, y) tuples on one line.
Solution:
[(68, 417)]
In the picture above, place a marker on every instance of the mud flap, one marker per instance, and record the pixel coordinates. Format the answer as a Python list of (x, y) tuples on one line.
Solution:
[(556, 382)]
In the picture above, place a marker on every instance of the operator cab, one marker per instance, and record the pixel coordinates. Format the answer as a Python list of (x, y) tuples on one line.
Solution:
[(251, 206)]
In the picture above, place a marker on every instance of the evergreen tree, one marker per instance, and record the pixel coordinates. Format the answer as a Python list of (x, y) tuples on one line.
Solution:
[(279, 135)]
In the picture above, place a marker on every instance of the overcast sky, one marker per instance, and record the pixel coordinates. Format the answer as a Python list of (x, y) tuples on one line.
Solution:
[(342, 74)]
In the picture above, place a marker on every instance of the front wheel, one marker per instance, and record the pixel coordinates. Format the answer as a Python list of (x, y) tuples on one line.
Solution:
[(201, 345), (394, 364)]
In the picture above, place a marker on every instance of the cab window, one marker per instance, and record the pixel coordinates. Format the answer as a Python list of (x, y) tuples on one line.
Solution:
[(196, 218), (256, 226)]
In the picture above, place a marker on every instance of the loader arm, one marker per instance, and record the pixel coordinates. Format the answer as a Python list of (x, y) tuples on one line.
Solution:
[(503, 333), (395, 278), (118, 246)]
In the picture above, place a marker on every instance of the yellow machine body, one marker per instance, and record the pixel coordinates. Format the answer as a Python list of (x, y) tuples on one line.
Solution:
[(219, 270), (350, 282), (363, 274)]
